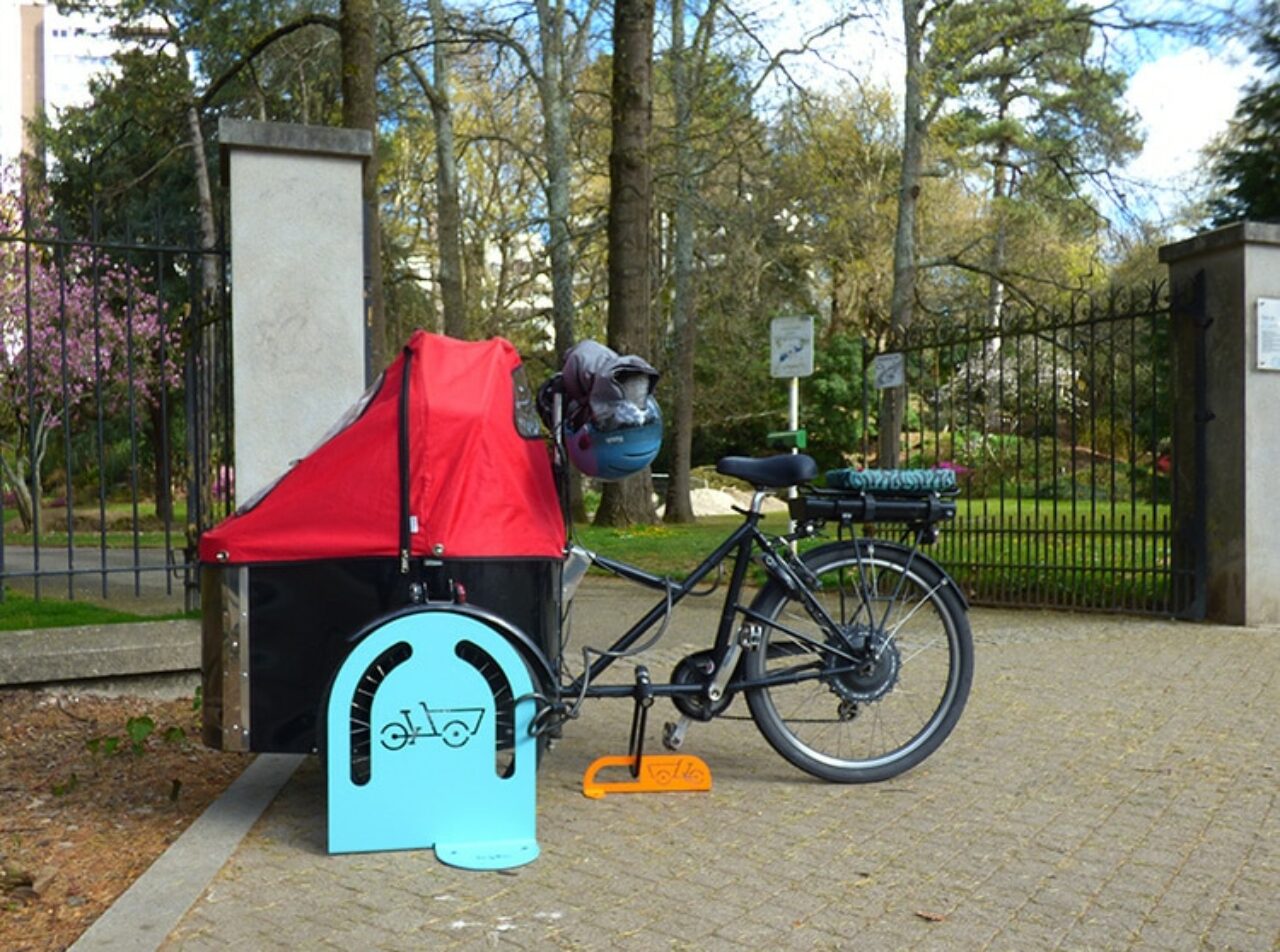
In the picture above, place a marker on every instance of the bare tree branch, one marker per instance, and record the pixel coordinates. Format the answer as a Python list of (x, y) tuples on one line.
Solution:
[(428, 88), (280, 32), (490, 34), (137, 180)]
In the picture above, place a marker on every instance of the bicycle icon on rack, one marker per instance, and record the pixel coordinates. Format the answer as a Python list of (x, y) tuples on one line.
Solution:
[(459, 725)]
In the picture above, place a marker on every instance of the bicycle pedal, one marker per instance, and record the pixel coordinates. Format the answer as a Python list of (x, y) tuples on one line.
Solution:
[(657, 773), (673, 733)]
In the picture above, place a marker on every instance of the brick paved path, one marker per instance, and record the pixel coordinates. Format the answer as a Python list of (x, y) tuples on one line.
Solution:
[(1112, 784)]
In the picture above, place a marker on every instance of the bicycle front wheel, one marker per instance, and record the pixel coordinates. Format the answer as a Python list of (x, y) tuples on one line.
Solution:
[(880, 694)]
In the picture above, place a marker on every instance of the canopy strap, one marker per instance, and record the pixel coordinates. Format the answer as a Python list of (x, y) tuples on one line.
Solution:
[(405, 371)]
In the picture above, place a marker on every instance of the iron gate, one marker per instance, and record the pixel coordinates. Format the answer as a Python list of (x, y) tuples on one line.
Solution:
[(1060, 430), (116, 435)]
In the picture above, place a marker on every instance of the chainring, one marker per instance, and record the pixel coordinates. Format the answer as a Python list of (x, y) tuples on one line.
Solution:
[(696, 669)]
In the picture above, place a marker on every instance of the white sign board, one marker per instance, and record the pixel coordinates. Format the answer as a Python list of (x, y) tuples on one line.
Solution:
[(1269, 333), (889, 370), (791, 347)]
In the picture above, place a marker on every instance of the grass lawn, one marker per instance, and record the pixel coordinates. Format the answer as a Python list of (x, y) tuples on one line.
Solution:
[(665, 549), (1033, 550), (1001, 550), (1050, 511), (119, 522), (678, 548), (19, 611), (115, 540)]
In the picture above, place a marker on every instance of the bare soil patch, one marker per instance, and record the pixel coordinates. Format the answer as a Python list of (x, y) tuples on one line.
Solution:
[(86, 806)]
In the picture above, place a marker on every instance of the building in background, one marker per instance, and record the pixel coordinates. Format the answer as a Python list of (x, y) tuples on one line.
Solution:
[(46, 61)]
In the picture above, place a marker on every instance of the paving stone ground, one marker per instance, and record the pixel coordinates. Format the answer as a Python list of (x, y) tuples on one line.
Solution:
[(1112, 785)]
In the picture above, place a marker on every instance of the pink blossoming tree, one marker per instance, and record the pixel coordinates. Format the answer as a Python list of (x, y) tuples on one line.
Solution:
[(76, 326)]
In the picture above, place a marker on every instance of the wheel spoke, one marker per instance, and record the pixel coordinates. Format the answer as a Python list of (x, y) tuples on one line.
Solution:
[(915, 608), (905, 696)]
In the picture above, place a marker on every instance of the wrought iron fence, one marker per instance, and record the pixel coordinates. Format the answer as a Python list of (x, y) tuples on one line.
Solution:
[(1060, 430), (115, 428)]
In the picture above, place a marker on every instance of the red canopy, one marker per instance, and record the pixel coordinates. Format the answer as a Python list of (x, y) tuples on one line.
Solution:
[(476, 487)]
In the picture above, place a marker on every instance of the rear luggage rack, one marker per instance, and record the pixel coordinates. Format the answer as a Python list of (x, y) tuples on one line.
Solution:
[(910, 497)]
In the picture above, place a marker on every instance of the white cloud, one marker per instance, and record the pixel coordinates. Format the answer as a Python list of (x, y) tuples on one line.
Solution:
[(1183, 100)]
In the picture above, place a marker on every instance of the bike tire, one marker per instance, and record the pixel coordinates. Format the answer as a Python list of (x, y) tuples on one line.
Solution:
[(873, 723)]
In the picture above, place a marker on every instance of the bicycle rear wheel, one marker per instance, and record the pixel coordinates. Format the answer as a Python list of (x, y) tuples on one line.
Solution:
[(881, 697)]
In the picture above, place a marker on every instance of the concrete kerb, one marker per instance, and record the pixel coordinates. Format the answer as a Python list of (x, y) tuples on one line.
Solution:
[(149, 910)]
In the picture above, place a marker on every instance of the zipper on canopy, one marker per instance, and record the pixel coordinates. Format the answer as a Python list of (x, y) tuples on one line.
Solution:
[(404, 461)]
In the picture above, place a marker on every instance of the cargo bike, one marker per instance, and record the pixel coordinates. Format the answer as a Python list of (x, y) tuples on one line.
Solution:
[(437, 494)]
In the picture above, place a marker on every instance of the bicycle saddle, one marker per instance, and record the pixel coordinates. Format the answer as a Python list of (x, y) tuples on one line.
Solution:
[(772, 472)]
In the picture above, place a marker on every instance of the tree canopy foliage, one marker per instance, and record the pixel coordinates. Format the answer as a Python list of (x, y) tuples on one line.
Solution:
[(493, 174), (1248, 168)]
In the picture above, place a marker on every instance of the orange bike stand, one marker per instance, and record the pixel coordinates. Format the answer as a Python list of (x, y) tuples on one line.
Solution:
[(652, 773)]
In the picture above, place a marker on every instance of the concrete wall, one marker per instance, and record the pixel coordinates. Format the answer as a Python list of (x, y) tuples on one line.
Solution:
[(298, 311), (148, 659), (1240, 264)]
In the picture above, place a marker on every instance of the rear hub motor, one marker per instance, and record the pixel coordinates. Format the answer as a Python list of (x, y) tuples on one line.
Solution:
[(870, 676)]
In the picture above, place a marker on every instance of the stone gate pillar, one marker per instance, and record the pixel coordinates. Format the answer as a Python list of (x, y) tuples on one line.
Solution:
[(297, 288), (1217, 280)]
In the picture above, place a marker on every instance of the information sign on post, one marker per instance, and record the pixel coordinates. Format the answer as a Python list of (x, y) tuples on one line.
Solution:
[(889, 370), (791, 356), (791, 347)]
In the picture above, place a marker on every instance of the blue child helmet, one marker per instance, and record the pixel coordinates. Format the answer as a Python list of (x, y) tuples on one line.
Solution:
[(619, 452)]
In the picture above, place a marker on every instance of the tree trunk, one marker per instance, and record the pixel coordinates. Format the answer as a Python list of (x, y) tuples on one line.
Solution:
[(160, 465), (995, 287), (554, 96), (1000, 186), (210, 282), (902, 301), (360, 111), (36, 481), (995, 283), (679, 507), (999, 190), (630, 203), (16, 476), (209, 277), (448, 205)]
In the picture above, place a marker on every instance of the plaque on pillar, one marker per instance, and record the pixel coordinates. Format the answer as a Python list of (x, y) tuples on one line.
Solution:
[(1269, 333)]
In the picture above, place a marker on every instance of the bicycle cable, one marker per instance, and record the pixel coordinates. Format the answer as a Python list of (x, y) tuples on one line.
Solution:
[(714, 586), (572, 712)]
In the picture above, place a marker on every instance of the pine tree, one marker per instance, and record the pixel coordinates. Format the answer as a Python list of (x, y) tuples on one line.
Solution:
[(1249, 168)]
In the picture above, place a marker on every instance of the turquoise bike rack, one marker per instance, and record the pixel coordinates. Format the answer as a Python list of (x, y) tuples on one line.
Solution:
[(415, 717)]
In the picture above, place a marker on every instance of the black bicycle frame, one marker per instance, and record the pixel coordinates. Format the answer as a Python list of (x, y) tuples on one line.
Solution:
[(742, 539)]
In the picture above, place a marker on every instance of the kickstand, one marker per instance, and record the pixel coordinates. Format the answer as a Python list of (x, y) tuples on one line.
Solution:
[(640, 717), (656, 773)]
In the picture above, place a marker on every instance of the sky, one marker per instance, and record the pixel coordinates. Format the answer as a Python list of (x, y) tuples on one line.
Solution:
[(1183, 95), (1184, 99)]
